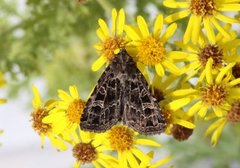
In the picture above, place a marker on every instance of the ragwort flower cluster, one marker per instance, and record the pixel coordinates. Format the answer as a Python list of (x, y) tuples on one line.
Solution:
[(199, 80), (2, 100)]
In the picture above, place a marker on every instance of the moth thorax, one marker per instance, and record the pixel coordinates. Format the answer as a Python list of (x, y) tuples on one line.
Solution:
[(234, 113), (84, 152), (37, 124), (121, 138), (181, 133)]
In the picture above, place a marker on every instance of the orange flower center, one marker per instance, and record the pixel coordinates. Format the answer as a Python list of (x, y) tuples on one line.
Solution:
[(202, 7), (211, 51), (37, 124), (121, 138), (112, 44), (234, 113), (151, 51), (74, 110), (214, 95), (181, 133), (84, 152)]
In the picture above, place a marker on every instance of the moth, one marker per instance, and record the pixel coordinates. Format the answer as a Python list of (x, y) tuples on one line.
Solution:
[(122, 94)]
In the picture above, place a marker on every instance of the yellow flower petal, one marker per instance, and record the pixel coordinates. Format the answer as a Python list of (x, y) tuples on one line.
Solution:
[(217, 134), (171, 67), (224, 18), (177, 55), (147, 142), (114, 18), (174, 4), (209, 30), (104, 27), (131, 33), (143, 26), (141, 156), (196, 107), (169, 32), (184, 123), (159, 69), (98, 63), (122, 159), (234, 93), (158, 25), (229, 7), (196, 28), (132, 160), (76, 164), (160, 162), (120, 22), (37, 102), (203, 111), (73, 91), (101, 35), (187, 34), (64, 96), (220, 28), (179, 103), (213, 126), (184, 92), (209, 77), (176, 16), (223, 72), (96, 165), (234, 82)]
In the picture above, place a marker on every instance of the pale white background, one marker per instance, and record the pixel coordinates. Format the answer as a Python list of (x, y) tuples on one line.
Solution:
[(20, 145)]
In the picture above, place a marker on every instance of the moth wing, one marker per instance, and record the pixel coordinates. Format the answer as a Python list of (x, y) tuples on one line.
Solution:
[(141, 109), (102, 109)]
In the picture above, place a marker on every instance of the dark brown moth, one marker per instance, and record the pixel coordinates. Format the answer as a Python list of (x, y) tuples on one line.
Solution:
[(122, 94)]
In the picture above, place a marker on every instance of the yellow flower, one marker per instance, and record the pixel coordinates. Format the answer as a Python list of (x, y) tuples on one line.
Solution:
[(149, 48), (2, 83), (124, 140), (203, 12), (222, 52), (214, 94), (232, 116), (87, 149), (111, 41), (40, 111), (67, 113), (171, 109), (156, 164)]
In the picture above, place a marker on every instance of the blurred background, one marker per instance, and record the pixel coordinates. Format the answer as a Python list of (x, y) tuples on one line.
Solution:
[(50, 43)]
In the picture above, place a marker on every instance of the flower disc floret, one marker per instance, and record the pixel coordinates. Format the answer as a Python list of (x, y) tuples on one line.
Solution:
[(74, 110), (121, 138), (85, 152), (151, 51), (234, 113), (211, 51), (202, 7), (37, 124)]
